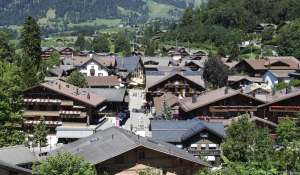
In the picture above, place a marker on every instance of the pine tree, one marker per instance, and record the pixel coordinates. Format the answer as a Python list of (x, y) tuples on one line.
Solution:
[(31, 41), (30, 61)]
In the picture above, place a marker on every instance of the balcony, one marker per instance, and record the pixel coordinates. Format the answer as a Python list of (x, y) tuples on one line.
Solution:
[(42, 101), (232, 108), (284, 108), (41, 113), (205, 152), (49, 123)]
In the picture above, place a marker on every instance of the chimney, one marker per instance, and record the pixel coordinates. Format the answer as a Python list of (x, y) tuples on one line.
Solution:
[(77, 91), (194, 98), (59, 86), (88, 96), (226, 90)]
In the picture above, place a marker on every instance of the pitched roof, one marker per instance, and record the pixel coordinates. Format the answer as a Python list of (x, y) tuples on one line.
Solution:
[(103, 81), (78, 61), (178, 131), (171, 100), (281, 73), (73, 92), (128, 63), (281, 95), (208, 97), (236, 78), (16, 155), (14, 169), (112, 142), (155, 80), (110, 94), (268, 62)]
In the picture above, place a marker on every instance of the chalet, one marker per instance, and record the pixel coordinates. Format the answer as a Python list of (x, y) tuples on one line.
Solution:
[(63, 51), (47, 51), (239, 81), (284, 103), (122, 152), (131, 70), (60, 103), (94, 65), (220, 104), (258, 67), (273, 77), (202, 139), (66, 51), (175, 82)]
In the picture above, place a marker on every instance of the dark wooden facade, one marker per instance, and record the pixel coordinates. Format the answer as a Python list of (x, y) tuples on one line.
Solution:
[(177, 85), (55, 108), (286, 107), (225, 108)]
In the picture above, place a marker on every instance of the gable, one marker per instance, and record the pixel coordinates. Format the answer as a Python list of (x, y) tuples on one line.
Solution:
[(174, 79), (277, 64)]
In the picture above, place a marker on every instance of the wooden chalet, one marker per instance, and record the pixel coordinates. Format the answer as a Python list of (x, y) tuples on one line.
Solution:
[(117, 151), (220, 104), (47, 51), (258, 67), (60, 103), (176, 83), (280, 105)]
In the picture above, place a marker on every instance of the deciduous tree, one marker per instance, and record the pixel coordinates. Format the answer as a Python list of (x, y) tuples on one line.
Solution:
[(64, 164)]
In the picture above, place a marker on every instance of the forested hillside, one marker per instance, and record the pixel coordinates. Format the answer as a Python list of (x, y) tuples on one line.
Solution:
[(226, 23), (12, 12)]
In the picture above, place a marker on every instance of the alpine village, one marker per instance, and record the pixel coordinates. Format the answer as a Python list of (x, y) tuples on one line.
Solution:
[(150, 87)]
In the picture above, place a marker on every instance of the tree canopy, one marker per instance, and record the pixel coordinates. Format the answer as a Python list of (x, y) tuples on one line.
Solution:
[(215, 72), (122, 44), (77, 79), (101, 44), (65, 164)]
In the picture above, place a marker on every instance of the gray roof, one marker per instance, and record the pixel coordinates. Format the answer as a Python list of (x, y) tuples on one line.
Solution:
[(110, 94), (128, 63), (162, 61), (178, 131), (16, 155), (14, 169), (107, 144)]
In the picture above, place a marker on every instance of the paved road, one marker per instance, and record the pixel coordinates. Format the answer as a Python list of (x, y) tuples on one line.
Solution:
[(138, 121)]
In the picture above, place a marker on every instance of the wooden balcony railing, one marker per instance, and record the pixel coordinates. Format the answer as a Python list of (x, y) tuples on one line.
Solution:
[(42, 100), (35, 122), (205, 152), (284, 108), (232, 108)]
